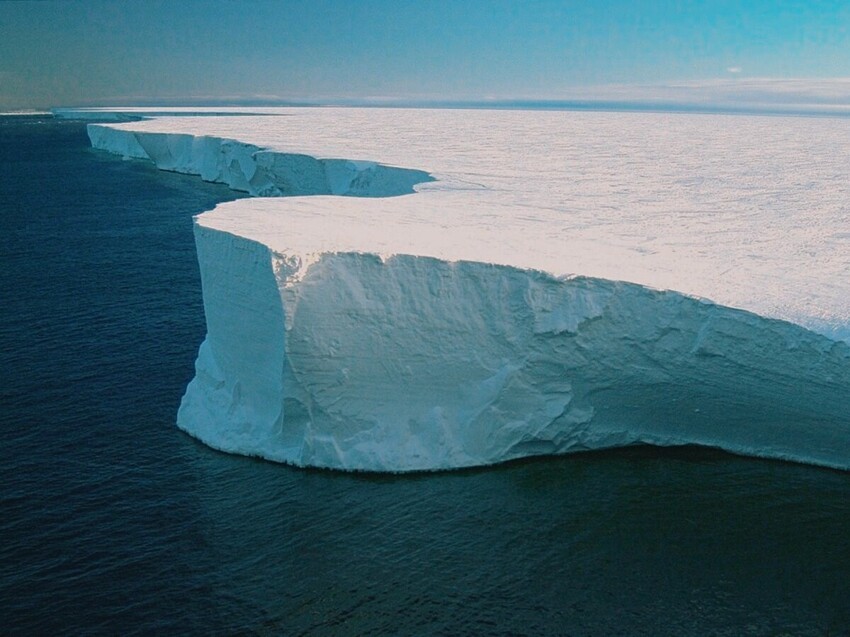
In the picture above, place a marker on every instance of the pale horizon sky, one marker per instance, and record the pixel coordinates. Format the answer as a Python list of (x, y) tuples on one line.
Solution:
[(117, 52)]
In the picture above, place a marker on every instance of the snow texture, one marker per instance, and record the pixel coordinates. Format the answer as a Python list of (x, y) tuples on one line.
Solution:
[(543, 290)]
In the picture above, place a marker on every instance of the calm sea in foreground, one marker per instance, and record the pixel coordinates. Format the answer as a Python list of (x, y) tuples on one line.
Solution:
[(113, 522)]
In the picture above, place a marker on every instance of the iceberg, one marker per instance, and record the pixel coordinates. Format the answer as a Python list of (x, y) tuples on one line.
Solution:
[(496, 285)]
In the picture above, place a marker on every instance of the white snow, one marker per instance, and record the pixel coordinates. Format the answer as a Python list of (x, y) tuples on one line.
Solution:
[(448, 328)]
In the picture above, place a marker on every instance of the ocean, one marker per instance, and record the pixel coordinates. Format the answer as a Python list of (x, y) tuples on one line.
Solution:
[(112, 521)]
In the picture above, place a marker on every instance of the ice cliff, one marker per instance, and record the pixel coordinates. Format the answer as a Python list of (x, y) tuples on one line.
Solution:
[(409, 363), (378, 335), (249, 168)]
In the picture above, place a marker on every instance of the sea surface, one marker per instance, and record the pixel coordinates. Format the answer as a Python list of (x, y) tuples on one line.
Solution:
[(113, 522)]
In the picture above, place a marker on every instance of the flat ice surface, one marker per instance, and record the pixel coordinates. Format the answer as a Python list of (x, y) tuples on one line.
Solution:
[(543, 282), (750, 212)]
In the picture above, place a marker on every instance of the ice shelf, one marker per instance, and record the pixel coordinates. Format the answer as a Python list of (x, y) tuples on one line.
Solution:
[(498, 284)]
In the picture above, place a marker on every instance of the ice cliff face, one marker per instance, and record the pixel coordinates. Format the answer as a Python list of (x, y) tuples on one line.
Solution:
[(412, 363), (249, 168), (394, 337)]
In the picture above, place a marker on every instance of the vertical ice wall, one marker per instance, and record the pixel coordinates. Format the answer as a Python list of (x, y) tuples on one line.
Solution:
[(260, 172), (412, 363)]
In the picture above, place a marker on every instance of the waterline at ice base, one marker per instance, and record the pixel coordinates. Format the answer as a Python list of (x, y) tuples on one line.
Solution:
[(444, 288)]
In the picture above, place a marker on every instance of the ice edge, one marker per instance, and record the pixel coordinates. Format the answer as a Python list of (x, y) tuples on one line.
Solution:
[(572, 364), (256, 170)]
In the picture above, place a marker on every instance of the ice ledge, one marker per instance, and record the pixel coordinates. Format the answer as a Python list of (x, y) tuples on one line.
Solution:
[(408, 363), (333, 352), (255, 170)]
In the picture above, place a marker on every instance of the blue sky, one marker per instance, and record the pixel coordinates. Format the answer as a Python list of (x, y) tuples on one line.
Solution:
[(109, 52)]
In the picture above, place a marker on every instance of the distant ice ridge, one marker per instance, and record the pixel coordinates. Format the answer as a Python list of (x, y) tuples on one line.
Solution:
[(418, 333), (249, 168)]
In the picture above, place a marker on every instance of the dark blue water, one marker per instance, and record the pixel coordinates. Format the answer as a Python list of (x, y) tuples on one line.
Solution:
[(114, 522)]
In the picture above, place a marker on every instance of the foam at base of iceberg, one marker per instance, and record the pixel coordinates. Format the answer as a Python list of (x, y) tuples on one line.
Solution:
[(412, 363), (323, 350)]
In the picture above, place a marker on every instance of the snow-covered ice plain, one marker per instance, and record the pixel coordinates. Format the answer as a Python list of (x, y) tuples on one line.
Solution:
[(499, 284)]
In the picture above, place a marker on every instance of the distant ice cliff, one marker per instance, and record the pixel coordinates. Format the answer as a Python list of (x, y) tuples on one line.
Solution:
[(260, 172)]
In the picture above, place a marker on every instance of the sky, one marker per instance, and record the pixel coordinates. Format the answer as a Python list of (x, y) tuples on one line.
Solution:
[(115, 52)]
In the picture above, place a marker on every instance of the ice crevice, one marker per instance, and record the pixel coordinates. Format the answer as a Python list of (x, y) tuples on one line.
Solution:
[(355, 360)]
